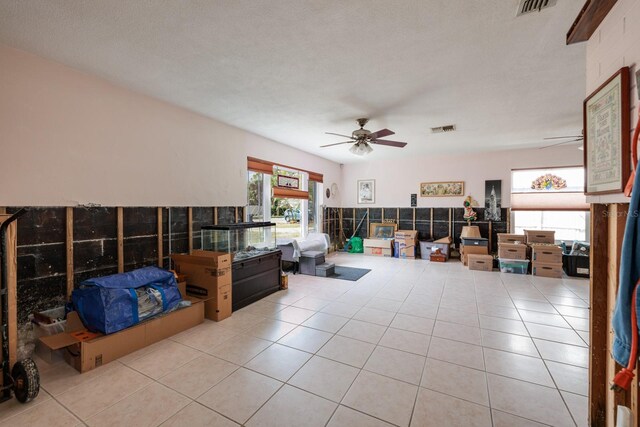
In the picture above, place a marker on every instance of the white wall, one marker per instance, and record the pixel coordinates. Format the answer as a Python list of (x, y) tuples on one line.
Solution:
[(69, 138), (397, 179), (615, 44)]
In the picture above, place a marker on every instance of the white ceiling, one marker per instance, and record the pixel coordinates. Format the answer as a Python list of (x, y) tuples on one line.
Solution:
[(290, 70)]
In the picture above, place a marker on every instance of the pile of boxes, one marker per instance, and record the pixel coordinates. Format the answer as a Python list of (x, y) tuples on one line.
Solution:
[(208, 276), (473, 246), (515, 251), (546, 256)]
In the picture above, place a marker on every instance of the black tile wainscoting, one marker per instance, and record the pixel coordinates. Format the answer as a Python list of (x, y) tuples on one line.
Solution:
[(42, 242), (431, 223)]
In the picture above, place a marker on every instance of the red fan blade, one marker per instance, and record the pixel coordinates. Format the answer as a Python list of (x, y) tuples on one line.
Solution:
[(338, 134), (381, 134), (389, 143), (337, 143)]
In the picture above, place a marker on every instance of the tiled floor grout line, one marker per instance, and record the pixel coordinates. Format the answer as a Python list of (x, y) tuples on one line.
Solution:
[(426, 359), (308, 290), (484, 363), (549, 371)]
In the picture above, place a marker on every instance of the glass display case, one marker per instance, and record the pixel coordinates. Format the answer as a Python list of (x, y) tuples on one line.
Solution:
[(243, 240)]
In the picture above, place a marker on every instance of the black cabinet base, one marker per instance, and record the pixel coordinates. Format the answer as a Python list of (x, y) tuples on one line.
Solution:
[(255, 278)]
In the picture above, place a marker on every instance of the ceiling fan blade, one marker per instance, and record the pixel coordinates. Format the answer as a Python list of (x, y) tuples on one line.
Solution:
[(337, 143), (389, 143), (561, 143), (339, 134), (381, 134), (563, 137)]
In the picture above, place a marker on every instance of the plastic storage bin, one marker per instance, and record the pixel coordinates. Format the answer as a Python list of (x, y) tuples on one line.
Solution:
[(515, 266), (576, 265)]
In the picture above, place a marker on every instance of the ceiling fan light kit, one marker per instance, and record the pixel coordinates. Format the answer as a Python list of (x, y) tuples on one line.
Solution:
[(361, 138), (361, 148)]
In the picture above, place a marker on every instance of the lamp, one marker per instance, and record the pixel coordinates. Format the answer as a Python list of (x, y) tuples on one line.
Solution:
[(360, 148)]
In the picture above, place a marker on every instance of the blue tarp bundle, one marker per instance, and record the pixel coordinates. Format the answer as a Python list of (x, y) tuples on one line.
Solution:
[(111, 303)]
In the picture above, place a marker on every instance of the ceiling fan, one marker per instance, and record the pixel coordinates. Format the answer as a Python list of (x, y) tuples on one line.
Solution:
[(361, 138), (567, 140)]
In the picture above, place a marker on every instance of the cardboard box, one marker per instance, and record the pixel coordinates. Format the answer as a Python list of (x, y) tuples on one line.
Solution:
[(548, 254), (86, 351), (540, 236), (410, 235), (208, 278), (378, 247), (480, 262), (465, 251), (513, 251), (404, 249), (378, 252), (182, 287), (405, 243), (511, 238), (543, 269)]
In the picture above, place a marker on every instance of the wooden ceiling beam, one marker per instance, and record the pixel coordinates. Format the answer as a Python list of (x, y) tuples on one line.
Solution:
[(590, 17)]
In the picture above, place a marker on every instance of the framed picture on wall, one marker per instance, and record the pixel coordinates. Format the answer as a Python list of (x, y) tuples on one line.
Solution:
[(607, 136), (366, 191), (442, 189)]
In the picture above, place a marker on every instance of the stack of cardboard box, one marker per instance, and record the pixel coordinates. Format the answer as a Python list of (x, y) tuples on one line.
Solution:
[(512, 246), (405, 243), (473, 246), (208, 276), (513, 253), (546, 257), (547, 260)]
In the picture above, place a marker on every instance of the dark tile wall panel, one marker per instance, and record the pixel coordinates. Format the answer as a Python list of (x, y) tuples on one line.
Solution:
[(375, 214), (39, 294), (227, 215), (41, 251), (406, 214), (423, 214), (390, 213), (94, 223), (201, 216), (42, 246)]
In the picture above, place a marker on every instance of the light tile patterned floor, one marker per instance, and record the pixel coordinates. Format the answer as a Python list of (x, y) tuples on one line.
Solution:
[(411, 343)]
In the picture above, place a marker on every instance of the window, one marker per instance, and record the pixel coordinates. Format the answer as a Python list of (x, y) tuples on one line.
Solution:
[(550, 199), (568, 225), (294, 205)]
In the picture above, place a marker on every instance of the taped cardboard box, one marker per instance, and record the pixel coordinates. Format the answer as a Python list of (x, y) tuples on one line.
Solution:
[(465, 251), (549, 254), (480, 262), (85, 350), (404, 249), (544, 269), (208, 278), (540, 236), (513, 251), (378, 247), (511, 238)]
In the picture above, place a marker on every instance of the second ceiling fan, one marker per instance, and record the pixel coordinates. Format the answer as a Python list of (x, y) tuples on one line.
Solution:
[(361, 138)]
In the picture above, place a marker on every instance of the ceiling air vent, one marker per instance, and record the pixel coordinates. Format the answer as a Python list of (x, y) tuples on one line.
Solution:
[(527, 6), (441, 129)]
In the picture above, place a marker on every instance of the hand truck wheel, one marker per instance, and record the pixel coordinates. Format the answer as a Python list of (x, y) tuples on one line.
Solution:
[(26, 380)]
